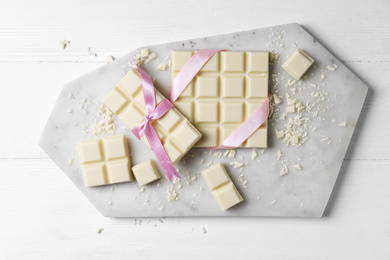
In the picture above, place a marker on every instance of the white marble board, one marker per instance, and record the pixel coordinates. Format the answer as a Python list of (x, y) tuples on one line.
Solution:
[(302, 193)]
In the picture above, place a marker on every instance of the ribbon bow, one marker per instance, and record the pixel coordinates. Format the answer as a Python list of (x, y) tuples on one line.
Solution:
[(153, 113)]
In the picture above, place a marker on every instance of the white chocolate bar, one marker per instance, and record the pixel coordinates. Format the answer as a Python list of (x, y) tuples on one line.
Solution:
[(146, 172), (225, 92), (297, 64), (105, 160), (176, 133), (220, 184)]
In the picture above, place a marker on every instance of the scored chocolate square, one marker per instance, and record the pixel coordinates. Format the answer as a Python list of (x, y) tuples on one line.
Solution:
[(225, 92), (105, 160), (221, 186)]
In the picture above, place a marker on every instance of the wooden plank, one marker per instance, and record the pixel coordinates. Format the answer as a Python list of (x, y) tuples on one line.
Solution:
[(115, 28), (46, 217)]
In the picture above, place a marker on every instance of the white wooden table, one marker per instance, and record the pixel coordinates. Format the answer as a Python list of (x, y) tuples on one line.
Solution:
[(43, 216)]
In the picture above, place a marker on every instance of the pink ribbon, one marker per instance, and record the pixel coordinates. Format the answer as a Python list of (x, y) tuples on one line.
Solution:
[(189, 71), (153, 113), (247, 128), (186, 75)]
